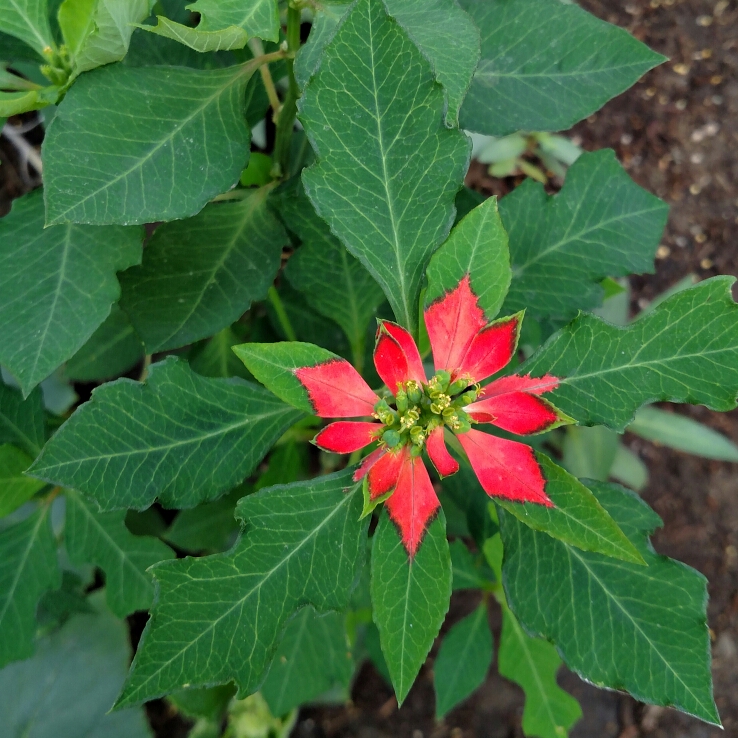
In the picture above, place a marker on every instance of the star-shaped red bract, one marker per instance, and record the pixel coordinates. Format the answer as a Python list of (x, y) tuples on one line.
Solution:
[(413, 415)]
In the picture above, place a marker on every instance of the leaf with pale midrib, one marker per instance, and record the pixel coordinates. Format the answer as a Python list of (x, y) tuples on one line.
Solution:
[(187, 141), (28, 21), (57, 286), (219, 618), (686, 350), (180, 438), (388, 169)]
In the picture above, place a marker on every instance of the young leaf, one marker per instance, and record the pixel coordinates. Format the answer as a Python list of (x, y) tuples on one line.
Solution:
[(186, 133), (388, 168), (477, 247), (683, 434), (312, 657), (410, 597), (219, 618), (179, 438), (532, 663), (110, 25), (66, 689), (334, 283), (201, 274), (27, 20), (617, 624), (111, 350), (28, 568), (22, 421), (532, 77), (439, 28), (15, 488), (103, 539), (463, 660), (56, 286), (686, 350), (562, 246)]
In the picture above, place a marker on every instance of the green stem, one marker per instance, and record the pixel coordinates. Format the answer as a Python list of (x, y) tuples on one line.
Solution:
[(282, 316), (357, 352), (145, 368), (288, 111)]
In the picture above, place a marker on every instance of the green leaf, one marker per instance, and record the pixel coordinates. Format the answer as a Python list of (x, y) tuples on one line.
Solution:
[(12, 49), (334, 283), (443, 32), (111, 350), (410, 597), (201, 274), (15, 488), (312, 657), (388, 169), (28, 21), (686, 350), (467, 571), (67, 688), (56, 288), (219, 618), (273, 364), (546, 65), (256, 17), (463, 660), (465, 490), (186, 132), (14, 103), (532, 663), (28, 568), (618, 625), (216, 358), (590, 452), (179, 438), (210, 703), (76, 22), (103, 539), (477, 247), (562, 246), (108, 32), (22, 421), (683, 434), (201, 41), (629, 469), (577, 518)]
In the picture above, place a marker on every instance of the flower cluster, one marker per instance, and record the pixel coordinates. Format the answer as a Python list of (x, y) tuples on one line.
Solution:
[(413, 412)]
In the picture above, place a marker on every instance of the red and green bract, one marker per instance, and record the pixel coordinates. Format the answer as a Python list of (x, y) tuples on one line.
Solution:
[(414, 413)]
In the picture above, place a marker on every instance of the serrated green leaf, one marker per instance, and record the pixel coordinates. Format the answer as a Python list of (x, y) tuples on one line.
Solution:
[(201, 274), (562, 246), (186, 133), (468, 573), (28, 568), (477, 247), (57, 286), (619, 625), (109, 31), (686, 350), (546, 65), (102, 539), (532, 663), (28, 21), (463, 660), (443, 32), (67, 688), (219, 618), (333, 282), (111, 350), (15, 488), (410, 597), (388, 168), (273, 364), (22, 421), (577, 518), (179, 438), (256, 17), (312, 657), (683, 434)]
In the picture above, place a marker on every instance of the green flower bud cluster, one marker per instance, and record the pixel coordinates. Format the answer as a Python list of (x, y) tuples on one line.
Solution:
[(421, 408), (59, 68)]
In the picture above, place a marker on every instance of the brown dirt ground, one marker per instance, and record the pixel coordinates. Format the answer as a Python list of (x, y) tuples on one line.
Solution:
[(676, 132)]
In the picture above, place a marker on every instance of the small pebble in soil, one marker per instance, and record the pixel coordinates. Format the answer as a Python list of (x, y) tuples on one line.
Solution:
[(706, 263), (662, 252), (704, 20)]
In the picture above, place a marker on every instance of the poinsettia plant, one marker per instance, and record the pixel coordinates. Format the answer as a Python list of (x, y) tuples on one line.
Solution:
[(328, 385)]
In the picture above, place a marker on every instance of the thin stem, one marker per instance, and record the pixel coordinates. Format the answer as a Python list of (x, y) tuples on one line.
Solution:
[(145, 368), (266, 77), (282, 316), (355, 458), (288, 111), (357, 353)]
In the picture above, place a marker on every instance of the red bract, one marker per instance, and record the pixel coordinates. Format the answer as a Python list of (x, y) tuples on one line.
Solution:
[(416, 412)]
